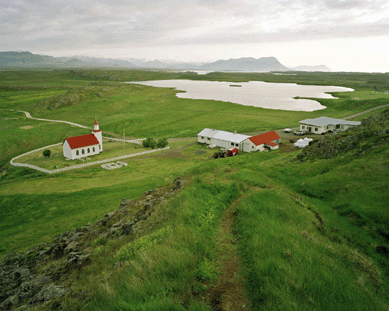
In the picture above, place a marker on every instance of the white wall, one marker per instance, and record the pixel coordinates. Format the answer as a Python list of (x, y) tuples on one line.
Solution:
[(203, 139), (249, 146), (67, 151), (225, 144), (313, 129), (72, 153), (99, 137), (86, 153)]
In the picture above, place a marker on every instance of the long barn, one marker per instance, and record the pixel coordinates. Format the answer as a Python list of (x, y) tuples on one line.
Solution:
[(221, 138)]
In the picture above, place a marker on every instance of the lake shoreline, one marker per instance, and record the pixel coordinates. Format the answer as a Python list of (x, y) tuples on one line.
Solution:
[(278, 96)]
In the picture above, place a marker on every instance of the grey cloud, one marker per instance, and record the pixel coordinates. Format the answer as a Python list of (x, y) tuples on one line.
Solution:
[(89, 24)]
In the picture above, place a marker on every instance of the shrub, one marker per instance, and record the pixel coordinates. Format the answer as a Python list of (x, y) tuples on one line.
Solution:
[(149, 143), (47, 153), (162, 143)]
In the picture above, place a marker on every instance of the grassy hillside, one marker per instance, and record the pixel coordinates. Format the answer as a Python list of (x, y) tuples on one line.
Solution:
[(262, 231), (308, 235)]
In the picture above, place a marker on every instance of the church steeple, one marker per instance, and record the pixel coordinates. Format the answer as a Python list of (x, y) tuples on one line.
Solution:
[(98, 134), (96, 127)]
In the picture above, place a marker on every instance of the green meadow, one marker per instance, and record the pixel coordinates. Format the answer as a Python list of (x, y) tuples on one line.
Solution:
[(307, 234)]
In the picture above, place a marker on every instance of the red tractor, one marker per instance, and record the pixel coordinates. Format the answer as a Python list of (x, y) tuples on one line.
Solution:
[(225, 153), (232, 151)]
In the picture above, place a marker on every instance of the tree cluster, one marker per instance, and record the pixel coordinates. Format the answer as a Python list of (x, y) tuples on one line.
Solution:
[(152, 143)]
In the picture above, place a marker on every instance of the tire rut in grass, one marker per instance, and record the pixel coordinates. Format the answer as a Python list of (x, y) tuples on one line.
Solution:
[(229, 293)]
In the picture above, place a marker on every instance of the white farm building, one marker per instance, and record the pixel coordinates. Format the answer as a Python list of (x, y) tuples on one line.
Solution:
[(221, 138), (83, 146), (324, 124), (244, 143), (269, 140)]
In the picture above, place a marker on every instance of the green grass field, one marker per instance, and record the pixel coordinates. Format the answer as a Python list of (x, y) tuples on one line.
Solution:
[(309, 235)]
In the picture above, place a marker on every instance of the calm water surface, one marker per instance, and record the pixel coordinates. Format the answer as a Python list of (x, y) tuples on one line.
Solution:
[(253, 93)]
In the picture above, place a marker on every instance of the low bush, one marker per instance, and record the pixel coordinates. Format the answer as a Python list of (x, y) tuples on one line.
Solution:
[(149, 143)]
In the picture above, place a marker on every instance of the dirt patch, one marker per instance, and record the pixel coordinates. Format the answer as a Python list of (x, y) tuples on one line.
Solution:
[(229, 293)]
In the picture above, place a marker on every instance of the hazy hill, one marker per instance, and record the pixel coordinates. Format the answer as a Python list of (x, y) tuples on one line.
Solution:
[(247, 64), (264, 64), (100, 62), (169, 64), (26, 59)]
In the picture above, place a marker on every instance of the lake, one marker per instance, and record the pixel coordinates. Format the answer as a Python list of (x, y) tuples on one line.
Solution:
[(254, 93)]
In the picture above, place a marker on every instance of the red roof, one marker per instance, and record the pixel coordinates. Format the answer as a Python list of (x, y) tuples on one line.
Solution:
[(82, 141), (96, 122), (270, 143), (264, 138)]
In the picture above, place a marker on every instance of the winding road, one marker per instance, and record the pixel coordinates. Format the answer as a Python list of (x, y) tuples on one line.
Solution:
[(363, 112), (28, 115)]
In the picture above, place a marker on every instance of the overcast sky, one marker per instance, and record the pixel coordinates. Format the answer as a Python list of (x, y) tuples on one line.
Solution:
[(345, 35)]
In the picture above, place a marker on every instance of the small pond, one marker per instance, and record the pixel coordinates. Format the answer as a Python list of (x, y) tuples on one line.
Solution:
[(254, 93)]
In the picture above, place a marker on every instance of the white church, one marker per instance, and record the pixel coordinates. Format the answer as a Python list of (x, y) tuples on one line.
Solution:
[(85, 145)]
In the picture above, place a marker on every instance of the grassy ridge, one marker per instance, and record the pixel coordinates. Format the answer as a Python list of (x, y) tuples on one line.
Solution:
[(298, 252), (171, 267)]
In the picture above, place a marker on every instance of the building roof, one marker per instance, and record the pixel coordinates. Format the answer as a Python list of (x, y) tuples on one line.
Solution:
[(322, 121), (223, 135), (208, 132), (265, 138), (82, 141), (270, 143)]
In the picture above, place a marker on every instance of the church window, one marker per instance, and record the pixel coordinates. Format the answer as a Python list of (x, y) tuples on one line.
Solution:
[(83, 151), (93, 149), (99, 146), (77, 152), (88, 150)]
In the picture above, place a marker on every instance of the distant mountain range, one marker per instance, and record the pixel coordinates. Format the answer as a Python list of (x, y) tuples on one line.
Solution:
[(247, 64), (263, 64)]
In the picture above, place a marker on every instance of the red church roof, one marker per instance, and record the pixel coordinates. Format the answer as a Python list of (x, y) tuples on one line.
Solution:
[(264, 138), (270, 143), (82, 141)]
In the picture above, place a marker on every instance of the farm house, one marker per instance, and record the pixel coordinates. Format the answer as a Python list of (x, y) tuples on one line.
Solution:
[(221, 139), (324, 124), (83, 146), (269, 140)]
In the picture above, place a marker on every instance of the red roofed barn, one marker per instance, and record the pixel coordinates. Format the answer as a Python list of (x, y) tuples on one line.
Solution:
[(269, 140), (85, 145)]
